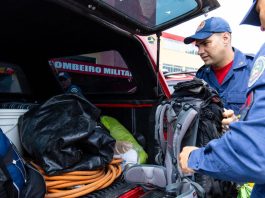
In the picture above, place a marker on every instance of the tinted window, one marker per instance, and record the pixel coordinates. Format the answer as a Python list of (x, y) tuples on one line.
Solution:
[(101, 72), (153, 12), (12, 79)]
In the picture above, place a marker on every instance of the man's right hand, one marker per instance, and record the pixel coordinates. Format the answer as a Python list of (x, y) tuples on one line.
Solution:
[(228, 117)]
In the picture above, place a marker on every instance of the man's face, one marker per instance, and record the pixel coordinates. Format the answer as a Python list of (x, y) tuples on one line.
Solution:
[(212, 50), (260, 7), (65, 83)]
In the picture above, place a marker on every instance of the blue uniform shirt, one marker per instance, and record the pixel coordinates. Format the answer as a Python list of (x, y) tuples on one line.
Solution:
[(239, 155), (234, 87)]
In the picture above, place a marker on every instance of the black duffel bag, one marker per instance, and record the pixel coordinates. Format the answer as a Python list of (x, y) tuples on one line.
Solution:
[(63, 135)]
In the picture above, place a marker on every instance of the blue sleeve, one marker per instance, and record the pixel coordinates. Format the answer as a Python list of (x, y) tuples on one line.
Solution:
[(239, 155)]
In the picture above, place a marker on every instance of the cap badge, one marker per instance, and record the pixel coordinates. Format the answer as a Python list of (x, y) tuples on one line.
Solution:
[(202, 24)]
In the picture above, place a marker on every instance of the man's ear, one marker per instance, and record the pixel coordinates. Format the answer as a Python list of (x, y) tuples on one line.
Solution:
[(227, 38)]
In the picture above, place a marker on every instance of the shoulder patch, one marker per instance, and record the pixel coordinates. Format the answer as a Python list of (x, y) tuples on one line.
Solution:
[(74, 90), (257, 70)]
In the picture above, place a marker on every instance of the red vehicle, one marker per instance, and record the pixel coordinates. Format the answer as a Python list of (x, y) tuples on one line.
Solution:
[(172, 78), (98, 43)]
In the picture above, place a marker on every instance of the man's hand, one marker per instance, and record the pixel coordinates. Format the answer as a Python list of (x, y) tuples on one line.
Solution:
[(228, 117), (183, 159)]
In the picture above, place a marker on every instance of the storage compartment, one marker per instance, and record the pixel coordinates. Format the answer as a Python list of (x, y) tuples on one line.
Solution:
[(138, 120), (8, 123)]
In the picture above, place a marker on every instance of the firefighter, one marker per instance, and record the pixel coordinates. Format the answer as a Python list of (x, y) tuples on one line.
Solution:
[(66, 82), (226, 68), (239, 155)]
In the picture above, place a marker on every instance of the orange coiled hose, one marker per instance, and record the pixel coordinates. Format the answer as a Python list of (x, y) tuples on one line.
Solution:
[(79, 183)]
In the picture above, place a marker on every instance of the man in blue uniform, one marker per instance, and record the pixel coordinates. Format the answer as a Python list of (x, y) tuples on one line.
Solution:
[(66, 82), (226, 68), (239, 155)]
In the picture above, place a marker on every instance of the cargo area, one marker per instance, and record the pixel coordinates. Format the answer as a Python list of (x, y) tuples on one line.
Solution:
[(41, 31)]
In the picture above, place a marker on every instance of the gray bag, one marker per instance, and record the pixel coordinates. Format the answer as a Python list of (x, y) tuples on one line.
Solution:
[(168, 176)]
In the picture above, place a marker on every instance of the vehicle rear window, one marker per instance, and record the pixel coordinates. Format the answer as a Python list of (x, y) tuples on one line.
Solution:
[(12, 79), (101, 72), (152, 12)]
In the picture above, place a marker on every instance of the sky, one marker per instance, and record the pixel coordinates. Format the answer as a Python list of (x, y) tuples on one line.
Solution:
[(246, 38)]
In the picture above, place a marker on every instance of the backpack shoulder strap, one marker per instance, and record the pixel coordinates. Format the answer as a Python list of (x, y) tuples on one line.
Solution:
[(159, 129), (178, 183), (185, 118), (181, 123)]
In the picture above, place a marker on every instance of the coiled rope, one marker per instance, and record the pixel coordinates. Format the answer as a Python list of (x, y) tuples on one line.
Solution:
[(79, 183)]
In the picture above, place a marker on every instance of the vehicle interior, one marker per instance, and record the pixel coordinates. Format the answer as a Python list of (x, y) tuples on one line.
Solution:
[(38, 31), (33, 32)]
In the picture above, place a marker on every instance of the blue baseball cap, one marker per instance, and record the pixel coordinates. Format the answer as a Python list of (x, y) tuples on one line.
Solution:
[(207, 28), (252, 16), (63, 75)]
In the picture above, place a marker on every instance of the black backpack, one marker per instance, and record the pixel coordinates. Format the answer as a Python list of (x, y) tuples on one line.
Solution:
[(206, 101), (192, 117)]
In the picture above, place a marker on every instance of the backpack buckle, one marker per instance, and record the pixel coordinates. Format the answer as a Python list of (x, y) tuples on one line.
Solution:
[(186, 107)]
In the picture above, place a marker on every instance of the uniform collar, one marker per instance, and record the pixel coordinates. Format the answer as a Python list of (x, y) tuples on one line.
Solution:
[(240, 59)]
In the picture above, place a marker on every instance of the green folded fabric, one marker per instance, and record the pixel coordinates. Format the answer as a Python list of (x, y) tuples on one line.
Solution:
[(120, 133)]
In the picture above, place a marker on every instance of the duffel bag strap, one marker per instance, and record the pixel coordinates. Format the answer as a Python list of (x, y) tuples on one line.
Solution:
[(35, 185), (7, 188)]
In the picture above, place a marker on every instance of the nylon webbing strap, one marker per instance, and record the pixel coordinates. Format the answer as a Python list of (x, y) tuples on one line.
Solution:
[(157, 126), (170, 168), (182, 122), (185, 118), (169, 164), (159, 133), (197, 103), (199, 189), (185, 189)]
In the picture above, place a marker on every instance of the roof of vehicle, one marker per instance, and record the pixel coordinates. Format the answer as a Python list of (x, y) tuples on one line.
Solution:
[(176, 75)]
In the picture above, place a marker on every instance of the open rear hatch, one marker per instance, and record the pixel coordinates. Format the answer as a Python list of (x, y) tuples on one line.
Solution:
[(142, 17)]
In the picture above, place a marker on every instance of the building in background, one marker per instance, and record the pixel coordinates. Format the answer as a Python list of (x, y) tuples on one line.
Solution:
[(175, 56)]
